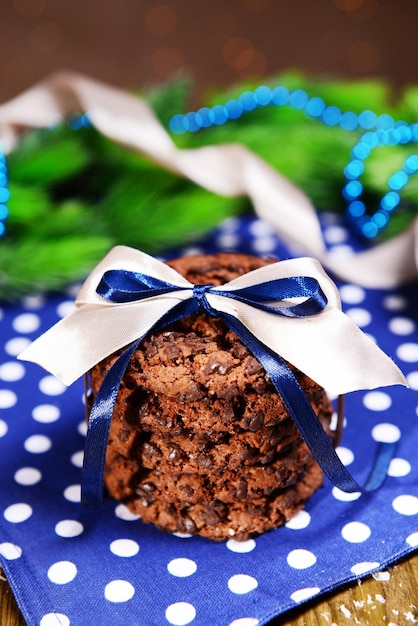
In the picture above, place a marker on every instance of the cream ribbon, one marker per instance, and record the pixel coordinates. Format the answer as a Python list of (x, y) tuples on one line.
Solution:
[(228, 170), (327, 346)]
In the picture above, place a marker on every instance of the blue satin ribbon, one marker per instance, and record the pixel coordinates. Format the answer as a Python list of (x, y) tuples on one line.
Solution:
[(121, 286)]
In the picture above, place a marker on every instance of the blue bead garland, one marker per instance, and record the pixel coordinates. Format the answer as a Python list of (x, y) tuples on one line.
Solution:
[(298, 99), (386, 132), (380, 130), (372, 225)]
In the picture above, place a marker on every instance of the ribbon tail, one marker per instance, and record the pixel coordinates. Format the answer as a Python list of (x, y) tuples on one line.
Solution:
[(102, 411), (98, 430), (384, 454), (301, 412)]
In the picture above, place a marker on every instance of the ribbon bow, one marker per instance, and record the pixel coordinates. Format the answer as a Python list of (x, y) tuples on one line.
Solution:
[(286, 311)]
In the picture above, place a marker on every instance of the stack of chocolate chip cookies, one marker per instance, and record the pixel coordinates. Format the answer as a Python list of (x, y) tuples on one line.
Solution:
[(200, 441)]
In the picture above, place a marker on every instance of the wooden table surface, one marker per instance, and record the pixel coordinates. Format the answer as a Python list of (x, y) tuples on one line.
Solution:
[(389, 598)]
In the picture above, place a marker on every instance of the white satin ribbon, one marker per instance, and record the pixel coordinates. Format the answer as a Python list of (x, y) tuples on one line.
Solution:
[(228, 169), (327, 346)]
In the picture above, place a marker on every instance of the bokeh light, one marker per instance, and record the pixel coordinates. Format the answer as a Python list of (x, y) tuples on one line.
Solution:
[(161, 20), (47, 37), (363, 56), (167, 61)]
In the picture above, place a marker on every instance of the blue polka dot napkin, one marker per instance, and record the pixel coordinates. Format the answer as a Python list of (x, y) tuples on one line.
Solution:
[(68, 564)]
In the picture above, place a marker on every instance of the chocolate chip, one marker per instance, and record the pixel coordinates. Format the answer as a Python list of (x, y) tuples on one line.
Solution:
[(228, 414), (210, 368), (267, 459), (253, 366), (209, 516), (260, 387), (246, 454), (205, 461), (173, 353), (148, 487), (256, 422), (151, 350), (228, 392), (212, 512), (186, 525), (239, 351), (124, 434), (224, 368), (257, 511), (150, 450), (242, 488), (171, 509), (188, 490), (176, 454), (194, 393)]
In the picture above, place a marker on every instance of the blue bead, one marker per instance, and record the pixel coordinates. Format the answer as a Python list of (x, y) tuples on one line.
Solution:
[(348, 121), (177, 124), (370, 139), (331, 116), (405, 133), (280, 96), (86, 121), (220, 114), (390, 201), (298, 99), (394, 137), (382, 137), (411, 164), (367, 119), (4, 212), (369, 230), (315, 107), (352, 190), (234, 109), (204, 117), (248, 101), (380, 218), (354, 169), (263, 95), (2, 229), (356, 208), (360, 151), (4, 194), (3, 180), (384, 121), (191, 122), (398, 180)]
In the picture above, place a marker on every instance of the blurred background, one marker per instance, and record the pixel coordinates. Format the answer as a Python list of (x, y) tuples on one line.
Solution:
[(138, 43)]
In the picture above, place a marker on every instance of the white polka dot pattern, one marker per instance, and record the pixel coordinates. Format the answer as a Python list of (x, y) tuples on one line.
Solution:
[(69, 528), (242, 583), (132, 568), (124, 547), (62, 573), (182, 567), (180, 613), (119, 591), (301, 558), (10, 551)]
